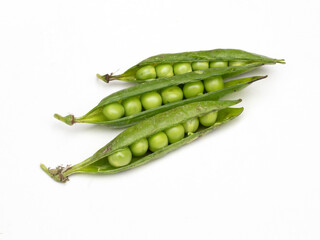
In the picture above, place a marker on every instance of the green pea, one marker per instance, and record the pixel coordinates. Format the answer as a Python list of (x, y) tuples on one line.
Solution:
[(200, 66), (113, 111), (175, 133), (171, 94), (132, 106), (120, 158), (151, 100), (193, 89), (164, 70), (208, 119), (140, 147), (191, 125), (218, 64), (182, 68), (158, 141), (146, 72), (213, 84), (237, 63)]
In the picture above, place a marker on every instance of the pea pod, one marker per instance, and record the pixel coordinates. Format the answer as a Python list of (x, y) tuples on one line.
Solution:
[(179, 63), (96, 115), (98, 162)]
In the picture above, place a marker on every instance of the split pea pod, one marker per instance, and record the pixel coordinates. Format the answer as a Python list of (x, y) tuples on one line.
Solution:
[(150, 139), (167, 65), (131, 105)]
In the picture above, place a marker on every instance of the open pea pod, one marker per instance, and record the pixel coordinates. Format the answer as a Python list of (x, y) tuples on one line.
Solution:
[(165, 65), (96, 115), (99, 163)]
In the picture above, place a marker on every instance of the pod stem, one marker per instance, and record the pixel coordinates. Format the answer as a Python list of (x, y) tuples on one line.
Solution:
[(58, 174), (61, 174), (106, 78), (69, 119)]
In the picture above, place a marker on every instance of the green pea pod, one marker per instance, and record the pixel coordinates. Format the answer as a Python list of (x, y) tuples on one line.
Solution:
[(216, 55), (98, 164), (96, 116)]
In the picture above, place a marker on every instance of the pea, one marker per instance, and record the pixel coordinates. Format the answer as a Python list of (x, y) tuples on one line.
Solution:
[(208, 119), (158, 141), (151, 100), (193, 89), (171, 94), (139, 148), (181, 68), (191, 125), (113, 111), (175, 133), (237, 63), (213, 84), (132, 106), (218, 64), (120, 158), (146, 72), (164, 70), (200, 66)]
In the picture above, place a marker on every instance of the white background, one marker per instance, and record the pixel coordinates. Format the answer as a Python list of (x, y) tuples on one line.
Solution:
[(255, 178)]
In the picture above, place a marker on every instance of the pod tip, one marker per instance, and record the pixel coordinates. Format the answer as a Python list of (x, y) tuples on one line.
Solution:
[(259, 78), (237, 101), (281, 61), (69, 119)]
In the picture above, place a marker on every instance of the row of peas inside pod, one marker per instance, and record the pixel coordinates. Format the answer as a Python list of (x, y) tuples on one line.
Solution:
[(152, 138), (149, 100), (167, 65), (131, 105), (161, 139), (168, 70)]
